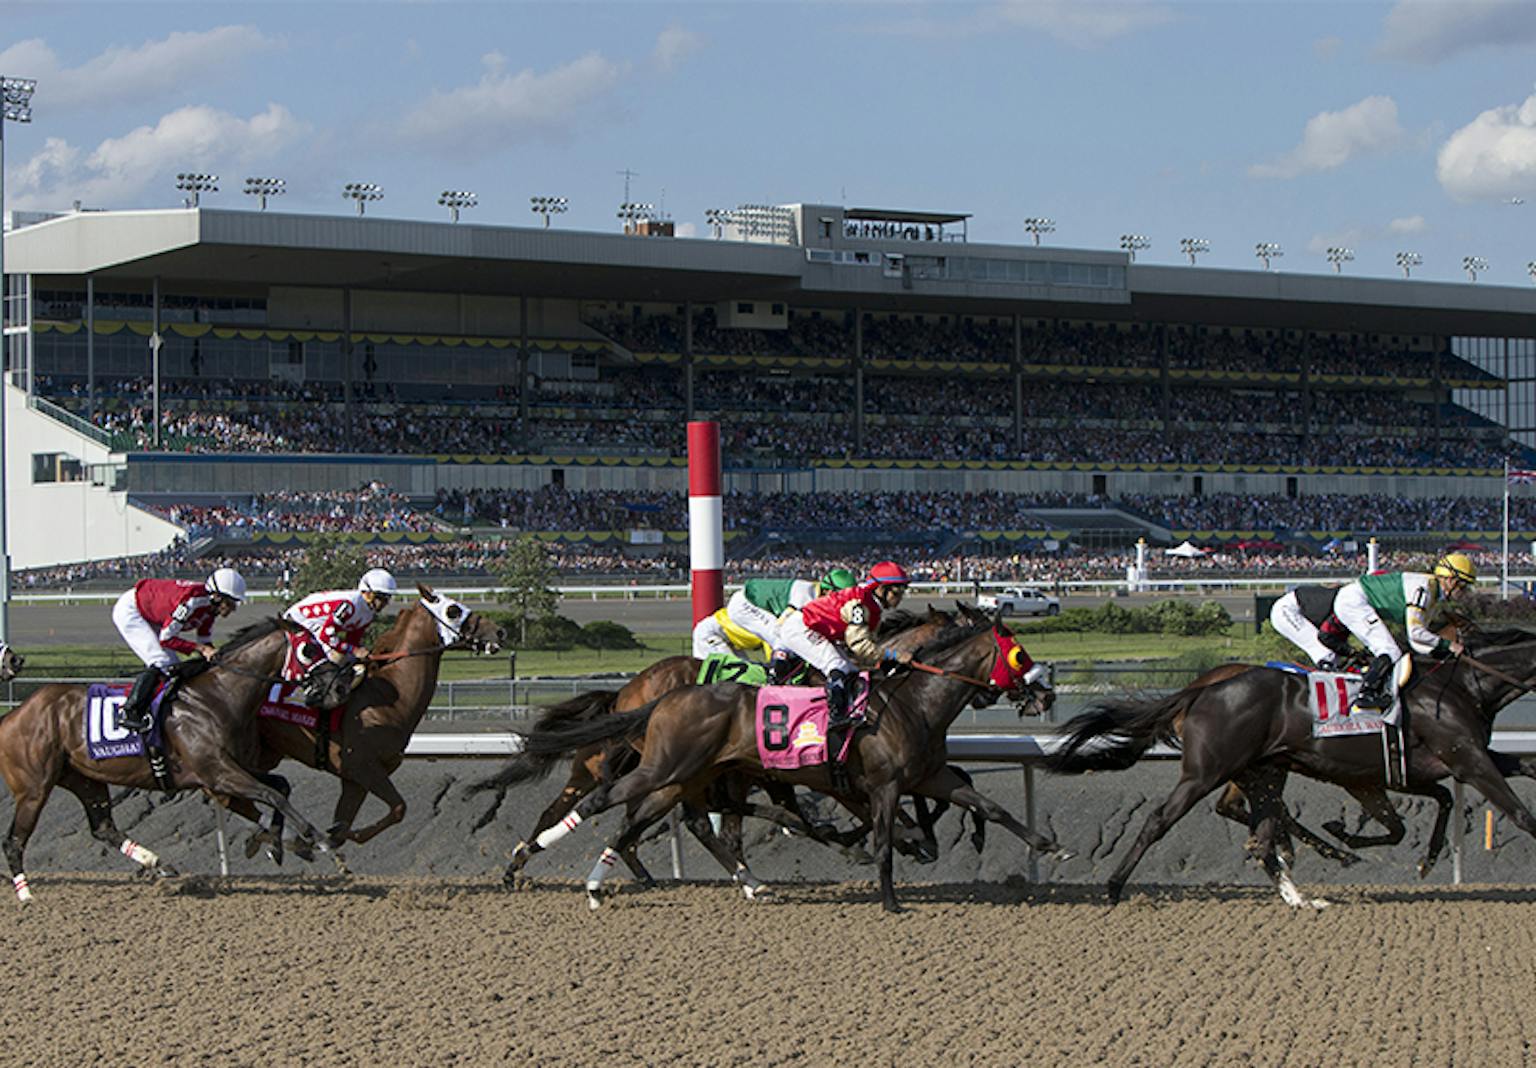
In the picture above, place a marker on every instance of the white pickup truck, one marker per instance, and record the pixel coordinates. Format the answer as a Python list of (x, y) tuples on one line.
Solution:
[(1019, 601)]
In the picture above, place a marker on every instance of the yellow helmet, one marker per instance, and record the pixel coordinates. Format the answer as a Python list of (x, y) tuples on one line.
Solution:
[(1457, 567)]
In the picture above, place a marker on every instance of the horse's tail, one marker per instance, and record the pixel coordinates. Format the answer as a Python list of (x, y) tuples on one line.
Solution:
[(1125, 729), (561, 731)]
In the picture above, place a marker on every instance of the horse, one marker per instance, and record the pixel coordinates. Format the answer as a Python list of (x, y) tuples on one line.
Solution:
[(694, 734), (11, 662), (210, 742), (380, 716), (1256, 727), (599, 762)]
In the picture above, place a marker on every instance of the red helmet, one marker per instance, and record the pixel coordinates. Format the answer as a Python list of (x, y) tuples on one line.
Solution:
[(888, 573)]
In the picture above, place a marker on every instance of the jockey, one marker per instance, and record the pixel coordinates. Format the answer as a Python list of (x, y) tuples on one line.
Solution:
[(1404, 597), (153, 618), (750, 619), (339, 619), (716, 635), (837, 630), (1305, 617)]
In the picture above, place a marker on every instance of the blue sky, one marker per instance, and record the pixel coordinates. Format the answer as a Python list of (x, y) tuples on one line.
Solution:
[(1383, 127)]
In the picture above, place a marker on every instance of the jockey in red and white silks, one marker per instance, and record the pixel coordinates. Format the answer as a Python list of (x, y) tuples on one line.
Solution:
[(339, 619)]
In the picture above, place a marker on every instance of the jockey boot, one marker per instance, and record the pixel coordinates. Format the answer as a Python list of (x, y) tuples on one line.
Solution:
[(839, 696), (134, 715), (1373, 689), (782, 668)]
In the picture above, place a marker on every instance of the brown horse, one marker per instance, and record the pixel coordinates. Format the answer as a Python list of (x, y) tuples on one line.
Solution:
[(210, 740), (600, 762), (381, 715), (11, 662), (695, 734)]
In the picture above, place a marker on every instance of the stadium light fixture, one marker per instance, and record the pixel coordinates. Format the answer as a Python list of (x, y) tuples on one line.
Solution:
[(1134, 243), (1408, 261), (717, 219), (1530, 269), (1338, 255), (632, 213), (1268, 250), (1193, 246), (362, 192), (263, 188), (193, 185), (455, 199), (1472, 265), (547, 206), (1036, 225), (15, 106)]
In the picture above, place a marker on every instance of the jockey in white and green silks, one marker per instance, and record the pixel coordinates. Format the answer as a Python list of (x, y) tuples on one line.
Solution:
[(755, 610)]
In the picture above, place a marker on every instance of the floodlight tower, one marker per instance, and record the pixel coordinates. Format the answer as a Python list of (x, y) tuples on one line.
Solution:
[(1268, 250), (15, 106), (193, 184), (454, 199), (1193, 246), (1408, 261), (547, 206), (1036, 225), (263, 188), (633, 213), (362, 192), (717, 219), (1339, 256), (1134, 243), (1530, 269), (1472, 265)]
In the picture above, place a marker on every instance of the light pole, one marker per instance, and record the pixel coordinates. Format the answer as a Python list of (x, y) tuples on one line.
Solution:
[(1339, 256), (547, 206), (1530, 269), (454, 199), (1268, 250), (16, 101), (717, 219), (1408, 261), (1134, 243), (362, 192), (1193, 246), (192, 184), (262, 188), (1472, 265), (1036, 225), (633, 213)]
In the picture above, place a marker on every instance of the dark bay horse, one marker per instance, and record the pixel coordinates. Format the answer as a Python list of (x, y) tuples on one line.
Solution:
[(602, 761), (1256, 727), (694, 734), (382, 713), (210, 739)]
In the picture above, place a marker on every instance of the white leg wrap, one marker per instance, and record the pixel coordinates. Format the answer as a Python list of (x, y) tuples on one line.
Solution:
[(23, 893), (600, 870), (138, 854), (551, 835)]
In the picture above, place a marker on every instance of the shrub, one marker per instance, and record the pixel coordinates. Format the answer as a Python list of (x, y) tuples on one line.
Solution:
[(605, 634)]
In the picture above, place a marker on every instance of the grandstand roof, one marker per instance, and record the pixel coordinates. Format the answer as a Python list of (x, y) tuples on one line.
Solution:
[(937, 218), (214, 250)]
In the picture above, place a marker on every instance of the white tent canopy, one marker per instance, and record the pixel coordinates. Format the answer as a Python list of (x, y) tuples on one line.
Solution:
[(1189, 548)]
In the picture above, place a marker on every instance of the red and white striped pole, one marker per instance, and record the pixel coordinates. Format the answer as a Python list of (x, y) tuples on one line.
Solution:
[(706, 540)]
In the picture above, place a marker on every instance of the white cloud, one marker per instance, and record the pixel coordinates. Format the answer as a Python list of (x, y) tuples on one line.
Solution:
[(1332, 138), (673, 45), (1327, 48), (1408, 224), (1353, 237), (127, 75), (1492, 156), (1428, 31), (121, 168)]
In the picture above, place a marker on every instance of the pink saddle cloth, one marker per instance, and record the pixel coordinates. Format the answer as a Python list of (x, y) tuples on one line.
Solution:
[(792, 724)]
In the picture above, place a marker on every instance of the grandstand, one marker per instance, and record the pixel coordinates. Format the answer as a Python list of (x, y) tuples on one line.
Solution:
[(218, 383)]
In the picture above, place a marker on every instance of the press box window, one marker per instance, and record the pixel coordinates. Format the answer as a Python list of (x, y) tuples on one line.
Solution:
[(56, 467)]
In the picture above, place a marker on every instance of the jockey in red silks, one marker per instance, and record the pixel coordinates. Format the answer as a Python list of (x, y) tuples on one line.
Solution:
[(153, 618), (836, 632), (339, 619)]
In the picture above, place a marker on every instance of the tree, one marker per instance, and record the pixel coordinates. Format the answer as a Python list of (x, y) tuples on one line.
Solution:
[(526, 578), (328, 564)]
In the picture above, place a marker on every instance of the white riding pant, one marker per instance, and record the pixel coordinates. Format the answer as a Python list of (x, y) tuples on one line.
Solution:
[(1354, 611), (819, 652), (709, 638), (752, 619), (1287, 619), (142, 637)]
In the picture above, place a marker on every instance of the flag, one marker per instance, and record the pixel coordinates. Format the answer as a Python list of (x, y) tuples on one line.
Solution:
[(1516, 475)]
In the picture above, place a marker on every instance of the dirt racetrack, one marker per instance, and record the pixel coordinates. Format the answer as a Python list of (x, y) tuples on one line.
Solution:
[(267, 970)]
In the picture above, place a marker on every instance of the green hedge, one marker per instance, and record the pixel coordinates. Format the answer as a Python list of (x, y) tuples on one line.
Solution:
[(559, 633), (1176, 617)]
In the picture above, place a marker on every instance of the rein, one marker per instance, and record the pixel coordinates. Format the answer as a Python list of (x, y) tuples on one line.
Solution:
[(1496, 673), (401, 654), (946, 673)]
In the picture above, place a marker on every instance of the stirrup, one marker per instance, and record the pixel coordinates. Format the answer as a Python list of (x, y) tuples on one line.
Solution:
[(138, 721), (1372, 702)]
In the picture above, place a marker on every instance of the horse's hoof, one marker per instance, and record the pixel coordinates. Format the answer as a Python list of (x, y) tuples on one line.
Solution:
[(1336, 828), (165, 871), (756, 893), (1059, 855), (594, 901), (302, 848), (253, 845), (1424, 870), (1112, 891)]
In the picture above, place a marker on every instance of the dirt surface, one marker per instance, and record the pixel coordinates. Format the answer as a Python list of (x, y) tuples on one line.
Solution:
[(260, 971)]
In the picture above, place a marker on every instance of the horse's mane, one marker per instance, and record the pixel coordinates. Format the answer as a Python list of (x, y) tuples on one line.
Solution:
[(949, 637), (1493, 620), (900, 621), (246, 635)]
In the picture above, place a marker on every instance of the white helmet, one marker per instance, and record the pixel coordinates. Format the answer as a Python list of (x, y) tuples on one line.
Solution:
[(378, 581), (227, 581)]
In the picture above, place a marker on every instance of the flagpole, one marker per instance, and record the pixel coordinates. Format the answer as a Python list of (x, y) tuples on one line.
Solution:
[(1504, 578)]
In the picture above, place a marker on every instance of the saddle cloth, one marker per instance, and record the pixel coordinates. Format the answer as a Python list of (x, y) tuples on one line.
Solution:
[(792, 724), (104, 739), (282, 701), (718, 667), (1332, 696)]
